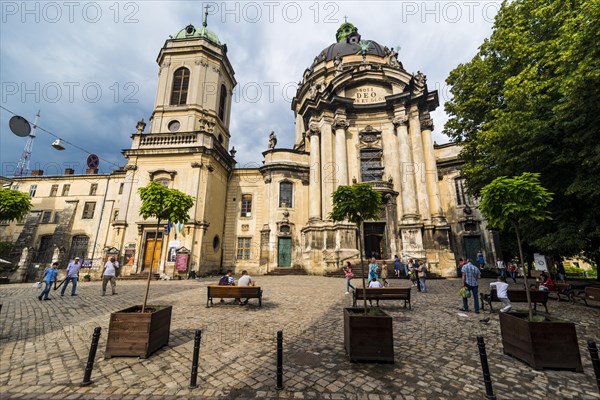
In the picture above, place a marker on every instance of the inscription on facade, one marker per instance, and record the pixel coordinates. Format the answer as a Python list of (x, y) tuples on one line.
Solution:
[(368, 95)]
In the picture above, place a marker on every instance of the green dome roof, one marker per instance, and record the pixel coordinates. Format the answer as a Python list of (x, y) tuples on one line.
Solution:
[(190, 32), (344, 31)]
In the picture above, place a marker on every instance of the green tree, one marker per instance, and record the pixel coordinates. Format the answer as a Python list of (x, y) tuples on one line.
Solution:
[(528, 101), (164, 204), (356, 204), (513, 201), (14, 205)]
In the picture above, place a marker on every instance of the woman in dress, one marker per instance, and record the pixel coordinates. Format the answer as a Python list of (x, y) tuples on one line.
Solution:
[(348, 274)]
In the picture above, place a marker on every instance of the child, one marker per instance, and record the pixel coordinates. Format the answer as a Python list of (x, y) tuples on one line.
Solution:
[(502, 293), (384, 274)]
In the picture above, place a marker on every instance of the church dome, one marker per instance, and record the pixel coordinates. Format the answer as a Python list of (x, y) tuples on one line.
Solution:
[(190, 32), (348, 39)]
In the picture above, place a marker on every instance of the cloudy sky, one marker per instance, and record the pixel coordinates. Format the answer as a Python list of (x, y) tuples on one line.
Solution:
[(90, 68)]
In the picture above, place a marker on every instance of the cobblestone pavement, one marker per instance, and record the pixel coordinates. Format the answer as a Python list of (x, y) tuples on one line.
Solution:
[(44, 346)]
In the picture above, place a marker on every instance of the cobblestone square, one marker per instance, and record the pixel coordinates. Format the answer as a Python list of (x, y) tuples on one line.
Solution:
[(44, 346)]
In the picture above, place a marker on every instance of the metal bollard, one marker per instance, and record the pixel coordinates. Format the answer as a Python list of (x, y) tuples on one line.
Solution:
[(595, 361), (197, 340), (279, 360), (91, 357), (489, 391)]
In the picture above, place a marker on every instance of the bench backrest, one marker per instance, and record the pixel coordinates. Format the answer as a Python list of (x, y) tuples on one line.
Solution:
[(238, 291), (593, 292), (401, 292), (520, 296)]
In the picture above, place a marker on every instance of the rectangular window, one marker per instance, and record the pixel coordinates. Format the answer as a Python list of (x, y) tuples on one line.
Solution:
[(56, 217), (121, 188), (53, 190), (462, 197), (243, 248), (371, 168), (15, 187), (46, 216), (32, 190), (93, 189), (88, 210), (246, 205), (286, 195), (65, 191)]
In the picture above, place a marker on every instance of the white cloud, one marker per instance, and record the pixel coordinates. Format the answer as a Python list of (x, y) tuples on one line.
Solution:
[(117, 54)]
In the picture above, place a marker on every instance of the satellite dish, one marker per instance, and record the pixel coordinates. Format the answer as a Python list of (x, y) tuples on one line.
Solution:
[(93, 161), (58, 144), (19, 126)]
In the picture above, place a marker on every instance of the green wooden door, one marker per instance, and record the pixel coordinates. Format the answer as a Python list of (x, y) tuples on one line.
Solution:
[(284, 253), (472, 246)]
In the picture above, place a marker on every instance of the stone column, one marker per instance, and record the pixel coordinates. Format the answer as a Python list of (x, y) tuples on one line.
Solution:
[(431, 176), (341, 156), (314, 188), (406, 180), (414, 125), (328, 168)]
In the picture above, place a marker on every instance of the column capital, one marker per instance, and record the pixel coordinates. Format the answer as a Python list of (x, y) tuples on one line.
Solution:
[(399, 121), (340, 122), (427, 124), (314, 129)]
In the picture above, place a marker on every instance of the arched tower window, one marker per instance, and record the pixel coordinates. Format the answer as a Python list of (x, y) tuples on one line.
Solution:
[(222, 103), (286, 193), (181, 81)]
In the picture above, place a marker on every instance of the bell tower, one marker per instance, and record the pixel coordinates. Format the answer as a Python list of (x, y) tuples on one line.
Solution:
[(195, 85)]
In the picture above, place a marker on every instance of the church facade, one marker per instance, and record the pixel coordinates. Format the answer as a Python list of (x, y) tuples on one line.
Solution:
[(360, 117)]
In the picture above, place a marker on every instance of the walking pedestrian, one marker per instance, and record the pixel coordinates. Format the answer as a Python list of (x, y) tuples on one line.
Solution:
[(397, 266), (422, 273), (405, 263), (384, 273), (348, 274), (501, 268), (373, 270), (512, 269), (470, 280), (48, 278), (72, 276), (109, 274), (502, 293)]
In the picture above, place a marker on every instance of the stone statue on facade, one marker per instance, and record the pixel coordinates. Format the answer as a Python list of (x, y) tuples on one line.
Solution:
[(140, 126), (392, 56), (420, 79), (272, 140), (337, 63)]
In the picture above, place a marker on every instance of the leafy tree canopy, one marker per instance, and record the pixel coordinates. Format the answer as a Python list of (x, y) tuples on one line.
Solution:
[(14, 205), (529, 101), (515, 200), (356, 203), (164, 204)]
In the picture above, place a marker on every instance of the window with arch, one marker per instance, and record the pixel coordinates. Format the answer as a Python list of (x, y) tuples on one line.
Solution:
[(286, 195), (181, 81), (79, 247), (164, 181), (222, 103), (246, 205)]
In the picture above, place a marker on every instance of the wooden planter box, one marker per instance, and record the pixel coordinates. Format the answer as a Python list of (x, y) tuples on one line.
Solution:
[(548, 344), (368, 338), (132, 333)]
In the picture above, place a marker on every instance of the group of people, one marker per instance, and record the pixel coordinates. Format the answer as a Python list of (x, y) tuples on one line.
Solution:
[(470, 280), (377, 277), (50, 277), (228, 280)]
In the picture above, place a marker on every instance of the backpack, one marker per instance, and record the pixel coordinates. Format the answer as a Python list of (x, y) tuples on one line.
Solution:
[(224, 281)]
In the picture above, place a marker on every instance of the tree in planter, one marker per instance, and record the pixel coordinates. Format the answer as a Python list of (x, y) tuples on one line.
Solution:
[(513, 201), (164, 204), (356, 204), (14, 205)]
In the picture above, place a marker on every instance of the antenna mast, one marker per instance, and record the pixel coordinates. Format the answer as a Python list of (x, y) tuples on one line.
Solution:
[(23, 165)]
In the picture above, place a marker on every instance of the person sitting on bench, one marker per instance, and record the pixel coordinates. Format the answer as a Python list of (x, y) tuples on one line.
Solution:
[(245, 280)]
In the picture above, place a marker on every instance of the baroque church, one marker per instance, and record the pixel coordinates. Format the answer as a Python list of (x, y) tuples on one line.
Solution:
[(360, 117)]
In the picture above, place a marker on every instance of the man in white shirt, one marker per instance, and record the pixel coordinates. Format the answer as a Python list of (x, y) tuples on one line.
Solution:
[(109, 274), (502, 293), (501, 268), (72, 276), (374, 284), (245, 280)]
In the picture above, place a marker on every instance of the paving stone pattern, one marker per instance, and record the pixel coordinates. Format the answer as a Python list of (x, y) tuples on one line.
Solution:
[(44, 346)]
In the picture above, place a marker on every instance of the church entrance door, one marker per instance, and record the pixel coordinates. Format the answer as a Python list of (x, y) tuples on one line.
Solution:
[(148, 247), (472, 247), (284, 252), (374, 239)]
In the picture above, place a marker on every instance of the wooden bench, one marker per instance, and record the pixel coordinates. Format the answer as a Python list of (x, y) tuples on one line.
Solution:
[(387, 293), (589, 293), (233, 292), (516, 296)]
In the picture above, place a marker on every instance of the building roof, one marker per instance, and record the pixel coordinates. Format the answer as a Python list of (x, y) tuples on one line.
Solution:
[(190, 32), (348, 39)]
